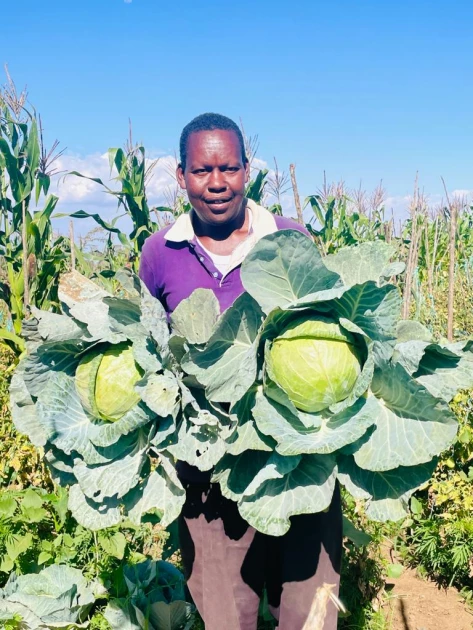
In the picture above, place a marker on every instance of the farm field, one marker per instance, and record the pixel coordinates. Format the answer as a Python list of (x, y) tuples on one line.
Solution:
[(431, 270), (416, 603)]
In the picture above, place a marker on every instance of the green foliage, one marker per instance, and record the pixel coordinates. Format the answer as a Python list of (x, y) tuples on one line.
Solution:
[(24, 179), (112, 468), (132, 170), (255, 187), (20, 462), (363, 573), (13, 623), (440, 536), (101, 263), (98, 622), (433, 311), (57, 596), (380, 441), (335, 224), (154, 599), (433, 245), (37, 529)]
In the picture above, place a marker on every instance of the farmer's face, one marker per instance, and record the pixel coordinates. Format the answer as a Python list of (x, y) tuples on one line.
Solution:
[(215, 175)]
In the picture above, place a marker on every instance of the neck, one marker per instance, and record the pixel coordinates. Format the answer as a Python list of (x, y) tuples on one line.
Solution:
[(220, 232)]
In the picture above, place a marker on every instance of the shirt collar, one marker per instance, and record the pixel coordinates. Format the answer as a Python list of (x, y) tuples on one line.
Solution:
[(263, 224)]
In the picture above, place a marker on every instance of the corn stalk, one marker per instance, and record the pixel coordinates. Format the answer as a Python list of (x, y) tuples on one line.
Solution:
[(30, 257), (451, 272), (132, 170), (297, 199), (413, 251)]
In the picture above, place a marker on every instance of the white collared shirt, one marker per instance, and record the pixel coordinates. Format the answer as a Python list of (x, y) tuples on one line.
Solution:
[(263, 223)]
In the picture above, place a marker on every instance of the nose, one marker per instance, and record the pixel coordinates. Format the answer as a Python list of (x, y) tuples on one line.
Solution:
[(216, 182)]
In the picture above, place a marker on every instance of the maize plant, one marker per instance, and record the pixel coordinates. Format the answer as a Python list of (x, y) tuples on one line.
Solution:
[(335, 224), (29, 253), (133, 170)]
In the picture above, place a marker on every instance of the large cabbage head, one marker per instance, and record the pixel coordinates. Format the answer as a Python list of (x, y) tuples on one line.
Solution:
[(315, 361), (105, 380)]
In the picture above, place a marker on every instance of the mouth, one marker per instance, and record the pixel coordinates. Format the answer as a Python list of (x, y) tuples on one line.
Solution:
[(219, 203)]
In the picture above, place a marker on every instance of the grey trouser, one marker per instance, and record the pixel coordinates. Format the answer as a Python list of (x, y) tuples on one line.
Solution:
[(228, 563)]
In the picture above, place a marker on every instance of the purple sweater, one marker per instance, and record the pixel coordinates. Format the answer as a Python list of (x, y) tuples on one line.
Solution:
[(173, 266)]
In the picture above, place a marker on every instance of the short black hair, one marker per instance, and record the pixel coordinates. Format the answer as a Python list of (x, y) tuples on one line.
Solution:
[(209, 122)]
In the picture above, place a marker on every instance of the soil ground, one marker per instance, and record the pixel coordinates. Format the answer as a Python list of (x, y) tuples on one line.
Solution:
[(417, 604)]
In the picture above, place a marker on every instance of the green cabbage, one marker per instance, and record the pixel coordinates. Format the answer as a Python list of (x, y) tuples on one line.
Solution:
[(243, 393), (156, 599), (86, 375), (96, 389), (315, 362), (324, 382), (105, 381), (57, 597)]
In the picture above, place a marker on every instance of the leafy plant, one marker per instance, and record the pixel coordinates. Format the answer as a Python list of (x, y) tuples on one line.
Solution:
[(24, 515), (110, 466), (363, 571), (155, 599), (336, 223), (380, 440), (440, 533), (36, 530), (132, 172), (98, 257), (20, 462), (29, 253), (58, 596)]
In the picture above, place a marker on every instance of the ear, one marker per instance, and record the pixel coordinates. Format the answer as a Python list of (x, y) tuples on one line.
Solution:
[(247, 171), (181, 180)]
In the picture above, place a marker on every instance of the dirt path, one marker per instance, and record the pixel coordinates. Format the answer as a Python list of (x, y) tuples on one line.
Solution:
[(416, 604)]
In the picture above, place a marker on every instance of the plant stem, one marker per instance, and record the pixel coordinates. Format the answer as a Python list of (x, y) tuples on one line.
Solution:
[(72, 245), (451, 263), (297, 199), (24, 238), (412, 254)]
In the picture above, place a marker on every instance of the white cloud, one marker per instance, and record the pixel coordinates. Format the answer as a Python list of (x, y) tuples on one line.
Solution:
[(78, 193), (72, 189), (398, 205), (258, 164), (462, 193)]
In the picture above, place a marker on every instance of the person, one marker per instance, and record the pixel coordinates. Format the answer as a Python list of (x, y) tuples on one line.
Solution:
[(227, 563)]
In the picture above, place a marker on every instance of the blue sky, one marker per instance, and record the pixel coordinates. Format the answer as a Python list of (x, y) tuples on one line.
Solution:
[(364, 90)]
